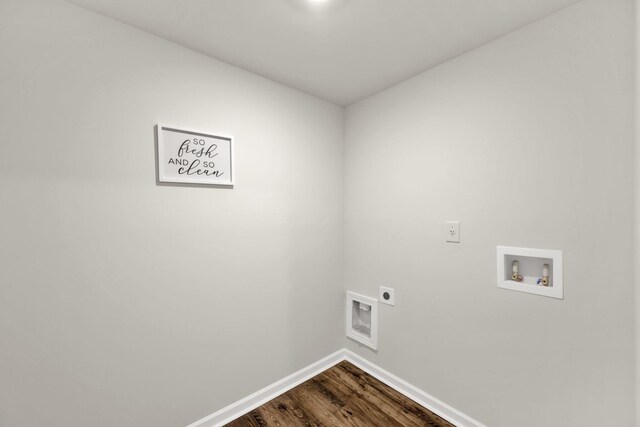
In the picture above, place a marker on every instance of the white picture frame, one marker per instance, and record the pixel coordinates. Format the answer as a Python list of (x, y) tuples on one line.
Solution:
[(187, 156)]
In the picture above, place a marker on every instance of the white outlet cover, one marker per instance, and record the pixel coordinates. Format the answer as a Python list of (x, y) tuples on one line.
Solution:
[(392, 296), (453, 232)]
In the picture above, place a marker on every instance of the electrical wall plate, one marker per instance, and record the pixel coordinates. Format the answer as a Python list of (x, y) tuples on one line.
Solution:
[(453, 232), (387, 296)]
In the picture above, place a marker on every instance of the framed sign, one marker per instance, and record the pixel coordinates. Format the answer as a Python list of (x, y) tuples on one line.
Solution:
[(191, 157)]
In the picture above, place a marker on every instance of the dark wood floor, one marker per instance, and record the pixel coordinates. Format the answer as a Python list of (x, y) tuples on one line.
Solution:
[(341, 396)]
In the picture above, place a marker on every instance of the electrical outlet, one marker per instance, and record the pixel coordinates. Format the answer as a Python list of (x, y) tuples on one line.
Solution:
[(453, 231), (387, 296)]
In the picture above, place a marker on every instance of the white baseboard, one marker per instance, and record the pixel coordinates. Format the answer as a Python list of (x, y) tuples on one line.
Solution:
[(414, 393), (249, 403)]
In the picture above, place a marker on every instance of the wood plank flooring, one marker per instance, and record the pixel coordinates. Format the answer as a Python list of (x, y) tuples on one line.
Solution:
[(341, 396)]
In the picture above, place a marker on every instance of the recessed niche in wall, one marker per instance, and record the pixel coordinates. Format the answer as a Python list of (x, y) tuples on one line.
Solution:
[(536, 271), (362, 319)]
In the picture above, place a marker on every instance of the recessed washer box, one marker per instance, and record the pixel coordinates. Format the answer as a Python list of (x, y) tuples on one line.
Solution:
[(362, 319), (531, 267)]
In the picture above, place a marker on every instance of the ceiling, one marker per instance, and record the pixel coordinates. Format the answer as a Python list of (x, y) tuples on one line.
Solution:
[(338, 50)]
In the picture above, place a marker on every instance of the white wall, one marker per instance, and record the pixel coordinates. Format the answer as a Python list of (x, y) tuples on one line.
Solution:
[(124, 303), (127, 303), (529, 142), (637, 210)]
